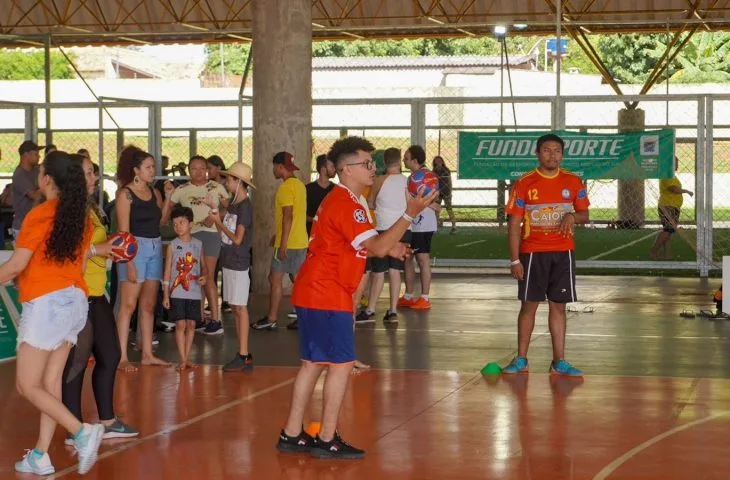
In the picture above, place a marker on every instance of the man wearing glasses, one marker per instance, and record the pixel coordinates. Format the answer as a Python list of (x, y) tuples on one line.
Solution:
[(342, 238)]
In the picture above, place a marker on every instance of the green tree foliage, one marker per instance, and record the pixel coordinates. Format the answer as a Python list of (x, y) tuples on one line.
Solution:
[(234, 56), (30, 65), (705, 59), (631, 57)]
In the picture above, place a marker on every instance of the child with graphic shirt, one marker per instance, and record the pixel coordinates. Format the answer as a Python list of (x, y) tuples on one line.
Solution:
[(236, 234), (185, 273)]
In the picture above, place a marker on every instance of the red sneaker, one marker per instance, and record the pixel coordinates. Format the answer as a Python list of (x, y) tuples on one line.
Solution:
[(421, 304), (403, 302)]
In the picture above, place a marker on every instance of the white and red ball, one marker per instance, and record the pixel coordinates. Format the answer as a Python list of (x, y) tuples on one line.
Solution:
[(422, 182), (124, 246)]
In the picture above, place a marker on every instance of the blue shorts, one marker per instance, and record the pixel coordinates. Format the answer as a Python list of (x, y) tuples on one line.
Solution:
[(326, 336), (148, 261)]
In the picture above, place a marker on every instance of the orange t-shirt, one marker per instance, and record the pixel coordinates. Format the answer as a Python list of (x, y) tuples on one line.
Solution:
[(543, 202), (41, 275), (336, 258)]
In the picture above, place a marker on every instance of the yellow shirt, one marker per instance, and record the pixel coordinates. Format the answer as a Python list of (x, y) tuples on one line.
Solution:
[(192, 196), (667, 198), (292, 193), (95, 274)]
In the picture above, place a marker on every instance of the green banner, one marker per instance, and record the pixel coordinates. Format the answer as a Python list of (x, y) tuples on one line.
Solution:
[(8, 332), (624, 156)]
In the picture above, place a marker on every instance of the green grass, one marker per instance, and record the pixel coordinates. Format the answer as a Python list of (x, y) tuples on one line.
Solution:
[(491, 243)]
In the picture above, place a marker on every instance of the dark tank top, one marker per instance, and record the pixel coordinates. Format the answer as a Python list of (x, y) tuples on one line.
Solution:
[(144, 216)]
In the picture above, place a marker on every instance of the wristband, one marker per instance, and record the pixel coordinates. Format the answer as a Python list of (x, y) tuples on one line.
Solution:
[(93, 250), (165, 284), (213, 210), (407, 218), (514, 262)]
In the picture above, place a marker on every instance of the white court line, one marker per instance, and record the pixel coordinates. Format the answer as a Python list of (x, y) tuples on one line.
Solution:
[(621, 247), (613, 466), (180, 426), (470, 243)]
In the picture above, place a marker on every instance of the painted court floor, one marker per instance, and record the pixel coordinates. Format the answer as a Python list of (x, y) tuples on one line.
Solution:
[(655, 402)]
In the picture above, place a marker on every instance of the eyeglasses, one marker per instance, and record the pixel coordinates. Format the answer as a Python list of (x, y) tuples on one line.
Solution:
[(369, 164)]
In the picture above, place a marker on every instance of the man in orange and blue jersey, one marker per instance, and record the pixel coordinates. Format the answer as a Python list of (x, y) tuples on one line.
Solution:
[(544, 207)]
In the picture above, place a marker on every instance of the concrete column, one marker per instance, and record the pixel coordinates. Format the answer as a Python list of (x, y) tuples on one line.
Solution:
[(282, 110), (631, 194)]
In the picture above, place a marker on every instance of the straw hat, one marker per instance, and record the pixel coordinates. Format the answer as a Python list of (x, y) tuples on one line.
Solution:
[(241, 171)]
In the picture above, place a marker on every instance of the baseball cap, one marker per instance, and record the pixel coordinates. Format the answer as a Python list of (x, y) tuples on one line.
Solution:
[(28, 146), (286, 159)]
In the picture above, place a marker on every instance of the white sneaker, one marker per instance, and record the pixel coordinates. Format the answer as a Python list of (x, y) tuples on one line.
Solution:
[(34, 463), (87, 446), (292, 314)]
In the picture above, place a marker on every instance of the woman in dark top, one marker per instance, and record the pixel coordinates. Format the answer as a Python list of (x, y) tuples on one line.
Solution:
[(139, 212), (444, 174)]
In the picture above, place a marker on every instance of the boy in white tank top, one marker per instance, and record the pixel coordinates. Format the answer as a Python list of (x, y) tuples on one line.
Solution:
[(388, 196)]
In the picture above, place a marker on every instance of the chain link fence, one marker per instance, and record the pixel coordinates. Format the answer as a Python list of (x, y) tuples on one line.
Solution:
[(623, 228)]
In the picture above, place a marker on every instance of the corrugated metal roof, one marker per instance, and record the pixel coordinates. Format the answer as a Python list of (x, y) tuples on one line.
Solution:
[(165, 21), (409, 63)]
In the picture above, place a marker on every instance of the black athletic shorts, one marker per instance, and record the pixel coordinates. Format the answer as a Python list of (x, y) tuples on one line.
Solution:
[(548, 275), (421, 242), (380, 265), (182, 309)]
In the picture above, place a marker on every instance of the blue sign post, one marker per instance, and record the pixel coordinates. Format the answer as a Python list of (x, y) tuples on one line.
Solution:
[(552, 46)]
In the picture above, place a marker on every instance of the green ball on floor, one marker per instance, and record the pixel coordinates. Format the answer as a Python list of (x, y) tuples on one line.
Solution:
[(491, 368)]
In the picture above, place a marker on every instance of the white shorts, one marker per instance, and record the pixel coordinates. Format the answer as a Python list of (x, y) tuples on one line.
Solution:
[(236, 287), (47, 322)]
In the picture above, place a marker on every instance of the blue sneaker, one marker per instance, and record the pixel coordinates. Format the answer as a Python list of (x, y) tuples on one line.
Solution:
[(87, 446), (517, 365), (214, 327), (562, 367), (35, 463)]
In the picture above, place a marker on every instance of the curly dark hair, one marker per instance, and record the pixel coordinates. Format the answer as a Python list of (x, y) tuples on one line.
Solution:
[(64, 243), (130, 158), (346, 147), (180, 211)]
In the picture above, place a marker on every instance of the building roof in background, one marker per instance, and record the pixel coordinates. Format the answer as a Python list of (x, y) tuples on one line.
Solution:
[(420, 63), (93, 60)]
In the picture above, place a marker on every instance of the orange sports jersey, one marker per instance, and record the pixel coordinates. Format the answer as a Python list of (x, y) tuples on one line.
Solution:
[(41, 275), (542, 202), (335, 261)]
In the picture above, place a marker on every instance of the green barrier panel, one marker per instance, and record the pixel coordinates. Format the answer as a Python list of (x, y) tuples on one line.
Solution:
[(623, 156), (9, 315)]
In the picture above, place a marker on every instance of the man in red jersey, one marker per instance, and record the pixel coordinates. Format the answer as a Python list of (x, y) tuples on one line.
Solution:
[(342, 238), (544, 207)]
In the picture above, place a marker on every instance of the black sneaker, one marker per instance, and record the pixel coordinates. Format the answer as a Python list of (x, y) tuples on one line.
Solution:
[(265, 324), (301, 443), (390, 318), (365, 317), (226, 307), (200, 326), (239, 364), (293, 325), (337, 448)]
